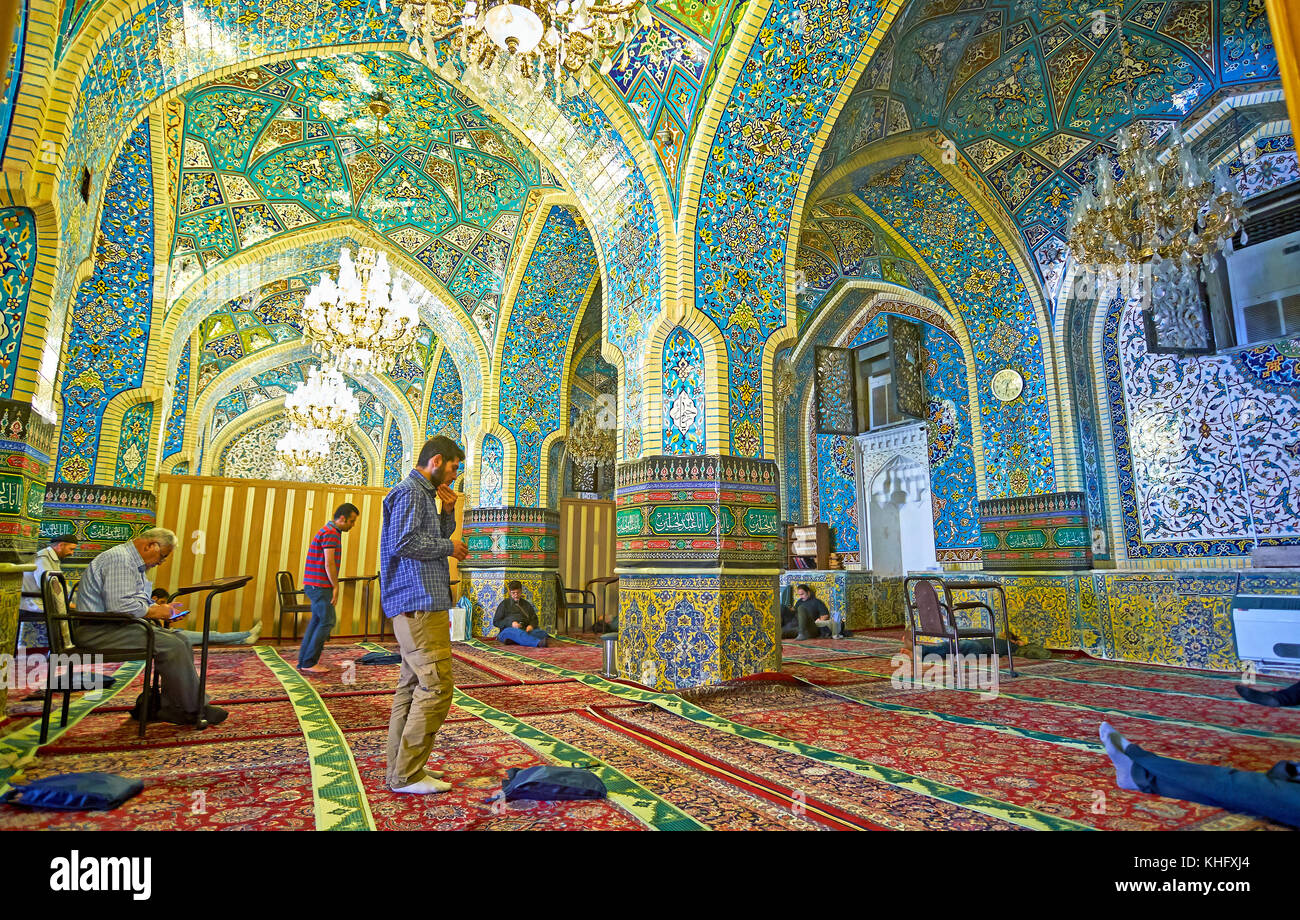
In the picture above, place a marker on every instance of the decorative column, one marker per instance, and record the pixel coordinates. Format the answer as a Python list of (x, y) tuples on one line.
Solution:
[(698, 563), (26, 439), (100, 516), (510, 544)]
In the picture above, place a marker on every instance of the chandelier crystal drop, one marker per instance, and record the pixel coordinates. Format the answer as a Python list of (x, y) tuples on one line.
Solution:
[(358, 324), (524, 45), (323, 401)]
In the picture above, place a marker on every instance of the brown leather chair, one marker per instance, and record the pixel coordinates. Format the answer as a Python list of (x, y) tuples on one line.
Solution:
[(59, 622), (290, 605)]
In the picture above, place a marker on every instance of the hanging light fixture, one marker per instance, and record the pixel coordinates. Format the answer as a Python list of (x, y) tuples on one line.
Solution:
[(359, 325), (588, 443), (323, 401), (1166, 217), (303, 451), (523, 45)]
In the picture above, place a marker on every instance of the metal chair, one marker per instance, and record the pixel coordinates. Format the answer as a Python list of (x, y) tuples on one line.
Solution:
[(59, 622), (289, 604), (601, 593), (929, 616), (586, 601), (27, 616)]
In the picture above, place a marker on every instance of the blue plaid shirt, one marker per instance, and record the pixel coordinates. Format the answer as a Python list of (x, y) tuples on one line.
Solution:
[(114, 582), (413, 548)]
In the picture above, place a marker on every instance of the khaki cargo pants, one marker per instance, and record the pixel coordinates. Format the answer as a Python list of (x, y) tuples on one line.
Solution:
[(423, 696)]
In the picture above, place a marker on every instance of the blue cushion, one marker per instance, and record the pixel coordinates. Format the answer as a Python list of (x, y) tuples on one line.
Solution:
[(547, 783), (75, 792)]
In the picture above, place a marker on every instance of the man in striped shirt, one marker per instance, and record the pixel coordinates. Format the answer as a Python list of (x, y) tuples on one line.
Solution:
[(415, 592), (320, 582)]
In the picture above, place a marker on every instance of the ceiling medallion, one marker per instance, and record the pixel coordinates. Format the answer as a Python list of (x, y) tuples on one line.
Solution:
[(521, 44)]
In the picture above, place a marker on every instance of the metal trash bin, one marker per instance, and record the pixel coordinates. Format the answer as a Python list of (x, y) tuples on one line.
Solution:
[(609, 655)]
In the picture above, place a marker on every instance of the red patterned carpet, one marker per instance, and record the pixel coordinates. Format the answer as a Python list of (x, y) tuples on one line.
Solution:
[(828, 744)]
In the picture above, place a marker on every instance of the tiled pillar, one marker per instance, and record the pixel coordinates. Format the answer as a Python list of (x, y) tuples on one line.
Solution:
[(510, 544), (26, 439), (100, 516), (698, 563)]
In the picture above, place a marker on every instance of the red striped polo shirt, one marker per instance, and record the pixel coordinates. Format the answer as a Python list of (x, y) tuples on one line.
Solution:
[(328, 537)]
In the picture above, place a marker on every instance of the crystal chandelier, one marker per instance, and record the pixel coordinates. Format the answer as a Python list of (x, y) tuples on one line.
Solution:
[(521, 44), (358, 325), (323, 401), (1166, 218), (588, 443), (303, 451), (1165, 209)]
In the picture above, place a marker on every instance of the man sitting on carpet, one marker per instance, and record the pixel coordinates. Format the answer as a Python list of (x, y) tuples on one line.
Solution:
[(813, 615), (517, 620), (246, 637), (114, 582), (1274, 795)]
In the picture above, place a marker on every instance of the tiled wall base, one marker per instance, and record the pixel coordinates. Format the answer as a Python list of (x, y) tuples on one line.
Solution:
[(858, 599), (687, 629), (1175, 618), (486, 587)]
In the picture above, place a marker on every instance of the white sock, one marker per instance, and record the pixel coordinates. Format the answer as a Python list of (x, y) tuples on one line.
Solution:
[(1115, 743)]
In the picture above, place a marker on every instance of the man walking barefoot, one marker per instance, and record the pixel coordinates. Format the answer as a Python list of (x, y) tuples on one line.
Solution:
[(415, 593)]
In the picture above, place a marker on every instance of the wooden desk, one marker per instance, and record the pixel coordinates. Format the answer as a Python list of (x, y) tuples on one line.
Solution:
[(214, 587)]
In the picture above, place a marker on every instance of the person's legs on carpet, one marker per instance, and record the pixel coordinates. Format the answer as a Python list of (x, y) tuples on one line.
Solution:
[(318, 629), (807, 626), (422, 701), (1287, 696), (243, 637), (512, 636), (1269, 795)]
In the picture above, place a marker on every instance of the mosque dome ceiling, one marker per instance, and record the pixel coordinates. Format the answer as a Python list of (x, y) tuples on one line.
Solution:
[(293, 144), (1030, 91)]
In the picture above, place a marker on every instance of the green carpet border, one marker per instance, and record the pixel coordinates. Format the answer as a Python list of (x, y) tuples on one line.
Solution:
[(1024, 817), (641, 803), (18, 747), (337, 791)]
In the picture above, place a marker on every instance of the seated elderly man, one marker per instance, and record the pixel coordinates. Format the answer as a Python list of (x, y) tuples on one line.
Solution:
[(115, 583)]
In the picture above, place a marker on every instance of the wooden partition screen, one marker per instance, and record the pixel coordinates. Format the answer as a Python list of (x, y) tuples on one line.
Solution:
[(586, 541), (259, 527)]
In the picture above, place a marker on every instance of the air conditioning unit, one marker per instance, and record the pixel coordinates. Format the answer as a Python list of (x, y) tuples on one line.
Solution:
[(1268, 630)]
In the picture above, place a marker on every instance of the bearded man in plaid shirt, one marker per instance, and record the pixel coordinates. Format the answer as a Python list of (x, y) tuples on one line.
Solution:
[(414, 591)]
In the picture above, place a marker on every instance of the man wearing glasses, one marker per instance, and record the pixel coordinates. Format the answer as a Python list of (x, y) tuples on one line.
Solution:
[(115, 583)]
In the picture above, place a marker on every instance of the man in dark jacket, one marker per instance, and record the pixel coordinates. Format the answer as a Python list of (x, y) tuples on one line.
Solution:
[(517, 620), (813, 615)]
